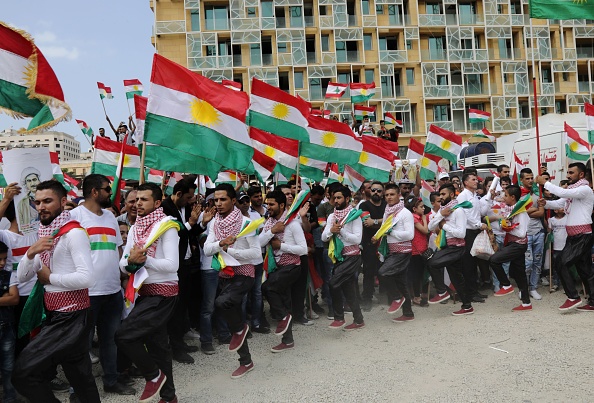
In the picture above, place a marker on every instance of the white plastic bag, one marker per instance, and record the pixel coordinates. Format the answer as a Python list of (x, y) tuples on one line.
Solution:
[(482, 247)]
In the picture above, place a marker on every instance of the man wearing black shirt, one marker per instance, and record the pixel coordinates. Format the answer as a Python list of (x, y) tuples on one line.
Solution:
[(376, 206)]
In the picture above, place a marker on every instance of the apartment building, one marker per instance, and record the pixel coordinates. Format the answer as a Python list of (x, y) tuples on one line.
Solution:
[(67, 147)]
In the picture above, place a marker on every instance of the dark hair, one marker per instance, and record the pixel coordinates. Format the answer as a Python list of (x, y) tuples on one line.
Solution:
[(392, 186), (433, 196), (129, 192), (333, 187), (469, 170), (454, 177), (54, 186), (156, 191), (487, 180), (253, 190), (411, 202), (278, 196), (515, 191), (525, 171), (93, 181), (467, 175), (116, 208), (283, 186), (10, 213), (317, 190), (292, 182), (227, 188), (563, 182), (3, 248), (448, 186), (579, 165), (545, 173), (505, 179), (500, 168), (377, 183), (184, 186), (346, 192)]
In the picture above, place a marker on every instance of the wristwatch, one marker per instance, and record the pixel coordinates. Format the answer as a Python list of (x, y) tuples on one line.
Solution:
[(375, 222)]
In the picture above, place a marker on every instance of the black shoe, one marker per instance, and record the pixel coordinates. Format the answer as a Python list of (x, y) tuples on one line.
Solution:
[(478, 294), (225, 340), (59, 386), (366, 306), (318, 309), (476, 298), (119, 389), (207, 348), (182, 357), (190, 349), (126, 379), (424, 302), (261, 329), (73, 398), (134, 372)]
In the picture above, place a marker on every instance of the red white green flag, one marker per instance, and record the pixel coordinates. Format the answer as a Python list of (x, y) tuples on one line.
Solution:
[(361, 92), (312, 168), (173, 179), (262, 166), (576, 148), (364, 111), (589, 110), (477, 116), (336, 90), (331, 141), (84, 127), (426, 190), (375, 162), (107, 156), (443, 143), (353, 179), (232, 85), (284, 151), (155, 176), (133, 87), (140, 103), (104, 91), (485, 134)]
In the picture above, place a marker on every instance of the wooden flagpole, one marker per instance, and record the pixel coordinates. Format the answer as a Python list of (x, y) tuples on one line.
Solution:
[(142, 157), (536, 126)]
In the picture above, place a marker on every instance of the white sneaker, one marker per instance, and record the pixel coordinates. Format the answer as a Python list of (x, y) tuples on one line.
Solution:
[(94, 358), (535, 295), (192, 334)]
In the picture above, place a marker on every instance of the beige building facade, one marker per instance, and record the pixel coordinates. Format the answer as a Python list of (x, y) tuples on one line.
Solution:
[(431, 60), (67, 147)]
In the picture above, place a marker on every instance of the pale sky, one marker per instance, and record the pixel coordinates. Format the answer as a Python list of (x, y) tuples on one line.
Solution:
[(85, 42)]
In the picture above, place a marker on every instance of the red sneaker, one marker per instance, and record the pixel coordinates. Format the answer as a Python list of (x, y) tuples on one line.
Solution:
[(355, 326), (464, 311), (283, 325), (396, 305), (337, 324), (586, 308), (238, 339), (152, 389), (439, 298), (522, 307), (242, 370), (504, 291), (169, 401), (570, 304), (403, 319), (282, 347)]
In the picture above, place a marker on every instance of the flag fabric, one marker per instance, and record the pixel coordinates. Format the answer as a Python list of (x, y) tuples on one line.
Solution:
[(275, 111), (429, 166), (334, 175), (84, 127), (589, 110), (477, 116), (118, 183), (60, 177), (155, 176), (298, 202), (28, 85), (336, 245), (262, 166), (391, 120), (518, 166), (443, 143), (375, 162), (106, 158), (168, 159), (426, 191), (399, 124), (186, 109), (561, 9), (140, 110), (173, 179), (133, 87), (362, 92), (232, 85), (385, 144), (364, 111), (353, 179), (284, 151), (104, 91), (575, 147), (415, 151), (316, 112), (336, 90), (484, 134), (227, 176), (331, 141), (312, 168)]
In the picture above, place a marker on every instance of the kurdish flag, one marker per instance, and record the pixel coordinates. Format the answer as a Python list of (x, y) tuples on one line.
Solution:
[(102, 238), (140, 110), (426, 191), (169, 159), (262, 166), (316, 112), (561, 9), (275, 111), (385, 144), (477, 116), (336, 90), (58, 175), (575, 147), (334, 175), (331, 141), (186, 109), (429, 166), (485, 134), (391, 120), (415, 151), (352, 178), (155, 176), (375, 162), (104, 92), (173, 179), (363, 111), (229, 177), (362, 92), (132, 87), (28, 85), (106, 159), (284, 151), (443, 143), (84, 127), (232, 85), (589, 110), (312, 168)]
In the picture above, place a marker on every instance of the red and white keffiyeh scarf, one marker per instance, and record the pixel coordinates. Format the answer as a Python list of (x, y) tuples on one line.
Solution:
[(395, 209), (581, 182), (143, 227), (451, 204), (340, 215), (271, 222), (228, 226), (48, 230)]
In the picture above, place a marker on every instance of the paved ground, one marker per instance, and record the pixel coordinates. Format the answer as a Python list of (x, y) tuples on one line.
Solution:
[(547, 357)]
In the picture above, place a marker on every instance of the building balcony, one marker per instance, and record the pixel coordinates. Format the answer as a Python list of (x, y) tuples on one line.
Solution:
[(505, 54), (444, 125), (468, 54), (217, 24), (584, 52), (281, 22), (470, 19), (352, 20), (393, 56), (309, 21), (437, 20), (192, 4), (210, 62), (349, 56), (547, 88), (267, 60), (268, 23), (170, 27), (245, 24), (328, 58), (584, 86), (433, 54), (311, 57)]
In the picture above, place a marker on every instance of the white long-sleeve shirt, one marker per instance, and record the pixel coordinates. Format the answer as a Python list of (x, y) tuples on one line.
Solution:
[(473, 215), (17, 247), (580, 207), (350, 234), (522, 219), (293, 242), (455, 223), (403, 227), (71, 264), (162, 268), (245, 249)]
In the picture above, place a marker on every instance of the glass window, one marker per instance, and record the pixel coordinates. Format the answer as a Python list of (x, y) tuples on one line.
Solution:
[(195, 20), (267, 10), (296, 17), (325, 43), (367, 42), (255, 54), (217, 17), (251, 12), (365, 6), (410, 76), (315, 88), (298, 78), (211, 50), (379, 9), (282, 47), (433, 8), (409, 44), (441, 113), (387, 90), (369, 76), (322, 10)]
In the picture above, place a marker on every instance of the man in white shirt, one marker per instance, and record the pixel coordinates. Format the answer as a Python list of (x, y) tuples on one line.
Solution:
[(286, 243), (577, 200), (347, 231), (61, 260), (143, 334), (453, 223), (105, 293)]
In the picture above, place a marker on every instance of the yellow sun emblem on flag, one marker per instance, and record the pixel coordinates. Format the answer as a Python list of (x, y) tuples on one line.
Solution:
[(329, 139), (269, 151), (280, 111), (126, 160), (136, 88), (446, 144), (364, 91), (303, 160), (204, 113), (364, 157), (573, 146), (103, 238), (425, 162)]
